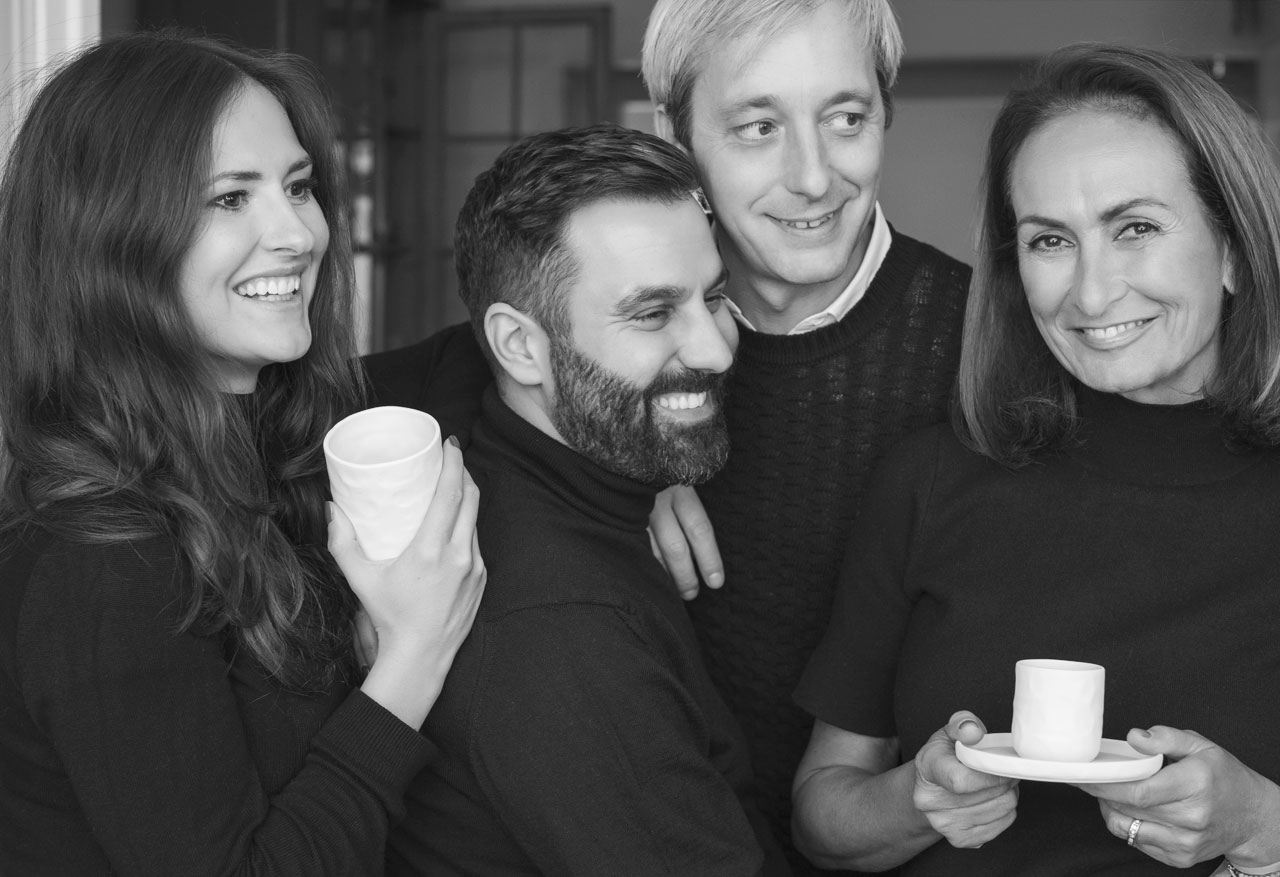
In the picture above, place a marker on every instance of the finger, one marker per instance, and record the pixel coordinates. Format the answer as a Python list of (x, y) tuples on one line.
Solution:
[(966, 727), (366, 639), (1170, 742), (442, 512), (701, 535), (343, 544), (464, 526), (1151, 838), (672, 545)]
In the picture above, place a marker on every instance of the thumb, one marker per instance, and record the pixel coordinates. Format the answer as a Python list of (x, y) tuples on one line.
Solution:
[(965, 727), (1170, 742), (342, 536)]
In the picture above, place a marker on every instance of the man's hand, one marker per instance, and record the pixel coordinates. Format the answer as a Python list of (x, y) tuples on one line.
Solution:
[(683, 540)]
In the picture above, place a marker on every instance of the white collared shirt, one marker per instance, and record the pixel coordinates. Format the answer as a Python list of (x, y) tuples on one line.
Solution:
[(877, 247)]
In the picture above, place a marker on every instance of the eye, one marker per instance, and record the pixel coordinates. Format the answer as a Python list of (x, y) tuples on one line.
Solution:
[(302, 190), (653, 317), (758, 130), (1139, 229), (846, 122), (1047, 243), (715, 301), (230, 200)]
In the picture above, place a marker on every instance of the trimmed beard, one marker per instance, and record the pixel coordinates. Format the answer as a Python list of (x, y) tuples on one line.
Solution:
[(610, 420)]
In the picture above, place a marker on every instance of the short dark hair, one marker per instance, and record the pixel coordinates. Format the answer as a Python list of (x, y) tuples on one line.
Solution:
[(1014, 400), (510, 243)]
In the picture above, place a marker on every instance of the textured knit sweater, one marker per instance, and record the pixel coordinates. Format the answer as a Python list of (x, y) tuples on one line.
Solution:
[(809, 416), (579, 732), (127, 748), (1149, 549)]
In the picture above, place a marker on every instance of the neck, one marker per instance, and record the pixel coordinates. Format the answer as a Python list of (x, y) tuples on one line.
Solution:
[(773, 305), (530, 403)]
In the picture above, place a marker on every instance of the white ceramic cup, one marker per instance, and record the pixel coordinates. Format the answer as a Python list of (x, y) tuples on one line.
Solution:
[(384, 464), (1057, 710)]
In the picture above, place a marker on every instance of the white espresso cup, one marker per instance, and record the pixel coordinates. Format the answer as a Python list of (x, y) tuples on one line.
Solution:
[(384, 464), (1057, 710)]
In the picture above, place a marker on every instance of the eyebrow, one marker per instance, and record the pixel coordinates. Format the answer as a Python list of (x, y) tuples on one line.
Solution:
[(1106, 216), (254, 176), (647, 295), (768, 101)]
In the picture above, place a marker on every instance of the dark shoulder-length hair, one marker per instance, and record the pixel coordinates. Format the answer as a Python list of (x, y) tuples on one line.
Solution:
[(1014, 400), (114, 424)]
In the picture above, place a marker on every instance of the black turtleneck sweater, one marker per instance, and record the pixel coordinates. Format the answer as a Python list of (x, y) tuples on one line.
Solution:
[(579, 731), (1148, 548), (809, 417)]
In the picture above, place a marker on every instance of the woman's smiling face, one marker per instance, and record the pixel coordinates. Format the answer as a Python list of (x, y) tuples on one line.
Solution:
[(249, 276), (1123, 270)]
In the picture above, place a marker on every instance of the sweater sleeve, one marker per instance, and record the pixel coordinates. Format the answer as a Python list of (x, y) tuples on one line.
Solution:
[(849, 681), (595, 753), (149, 732)]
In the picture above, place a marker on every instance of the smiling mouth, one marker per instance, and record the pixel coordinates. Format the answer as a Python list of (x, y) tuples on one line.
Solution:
[(681, 401), (270, 287), (1108, 333), (806, 224)]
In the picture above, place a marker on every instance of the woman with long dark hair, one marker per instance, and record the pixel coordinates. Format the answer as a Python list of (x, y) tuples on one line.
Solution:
[(177, 677)]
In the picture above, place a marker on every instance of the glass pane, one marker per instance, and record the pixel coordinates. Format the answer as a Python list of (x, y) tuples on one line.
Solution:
[(478, 88), (554, 81), (463, 163)]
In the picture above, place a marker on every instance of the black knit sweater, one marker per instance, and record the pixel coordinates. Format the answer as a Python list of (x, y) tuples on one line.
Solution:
[(809, 417), (127, 748)]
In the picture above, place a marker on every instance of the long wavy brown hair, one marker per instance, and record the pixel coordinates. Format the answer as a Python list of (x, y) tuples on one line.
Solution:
[(113, 422)]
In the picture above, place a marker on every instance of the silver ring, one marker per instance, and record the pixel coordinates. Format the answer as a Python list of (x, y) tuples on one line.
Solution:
[(1134, 827)]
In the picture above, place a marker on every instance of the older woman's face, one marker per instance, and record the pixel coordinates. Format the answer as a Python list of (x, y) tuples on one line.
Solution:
[(1122, 269)]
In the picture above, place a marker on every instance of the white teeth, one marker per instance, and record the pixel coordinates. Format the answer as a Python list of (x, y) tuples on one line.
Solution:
[(807, 223), (264, 286), (1108, 332), (682, 401)]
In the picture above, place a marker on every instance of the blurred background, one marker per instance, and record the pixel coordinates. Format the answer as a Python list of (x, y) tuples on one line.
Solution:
[(430, 91)]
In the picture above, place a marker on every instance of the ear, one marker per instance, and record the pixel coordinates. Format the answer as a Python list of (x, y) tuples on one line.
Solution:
[(519, 344), (1228, 271), (663, 126)]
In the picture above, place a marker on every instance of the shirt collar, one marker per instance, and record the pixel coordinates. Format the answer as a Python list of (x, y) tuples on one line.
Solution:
[(877, 248)]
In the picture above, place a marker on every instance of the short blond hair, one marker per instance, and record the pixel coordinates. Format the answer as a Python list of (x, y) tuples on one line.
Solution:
[(681, 33)]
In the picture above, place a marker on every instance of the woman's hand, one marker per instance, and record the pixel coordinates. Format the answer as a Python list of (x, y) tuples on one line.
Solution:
[(684, 541), (965, 806), (1202, 804), (422, 603)]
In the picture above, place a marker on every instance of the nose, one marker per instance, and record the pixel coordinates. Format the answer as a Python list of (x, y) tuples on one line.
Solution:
[(808, 168), (1099, 281), (284, 228), (709, 342)]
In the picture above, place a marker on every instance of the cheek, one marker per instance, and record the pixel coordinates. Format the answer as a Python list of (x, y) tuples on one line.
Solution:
[(728, 327)]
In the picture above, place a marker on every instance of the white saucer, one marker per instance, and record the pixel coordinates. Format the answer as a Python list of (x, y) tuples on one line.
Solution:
[(1117, 762)]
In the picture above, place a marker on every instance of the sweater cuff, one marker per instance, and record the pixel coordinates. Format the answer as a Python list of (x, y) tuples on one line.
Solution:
[(376, 742)]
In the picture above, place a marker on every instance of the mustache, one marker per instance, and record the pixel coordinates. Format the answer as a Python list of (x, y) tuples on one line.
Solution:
[(687, 381)]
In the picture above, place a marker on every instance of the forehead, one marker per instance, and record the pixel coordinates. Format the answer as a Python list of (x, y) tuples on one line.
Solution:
[(823, 51), (1098, 154), (622, 246), (254, 128)]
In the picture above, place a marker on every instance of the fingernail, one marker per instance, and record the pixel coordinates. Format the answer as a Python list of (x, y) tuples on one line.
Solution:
[(968, 724), (453, 440), (1143, 733), (716, 579)]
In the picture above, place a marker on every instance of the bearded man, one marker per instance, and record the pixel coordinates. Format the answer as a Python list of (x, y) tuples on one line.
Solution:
[(579, 732)]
